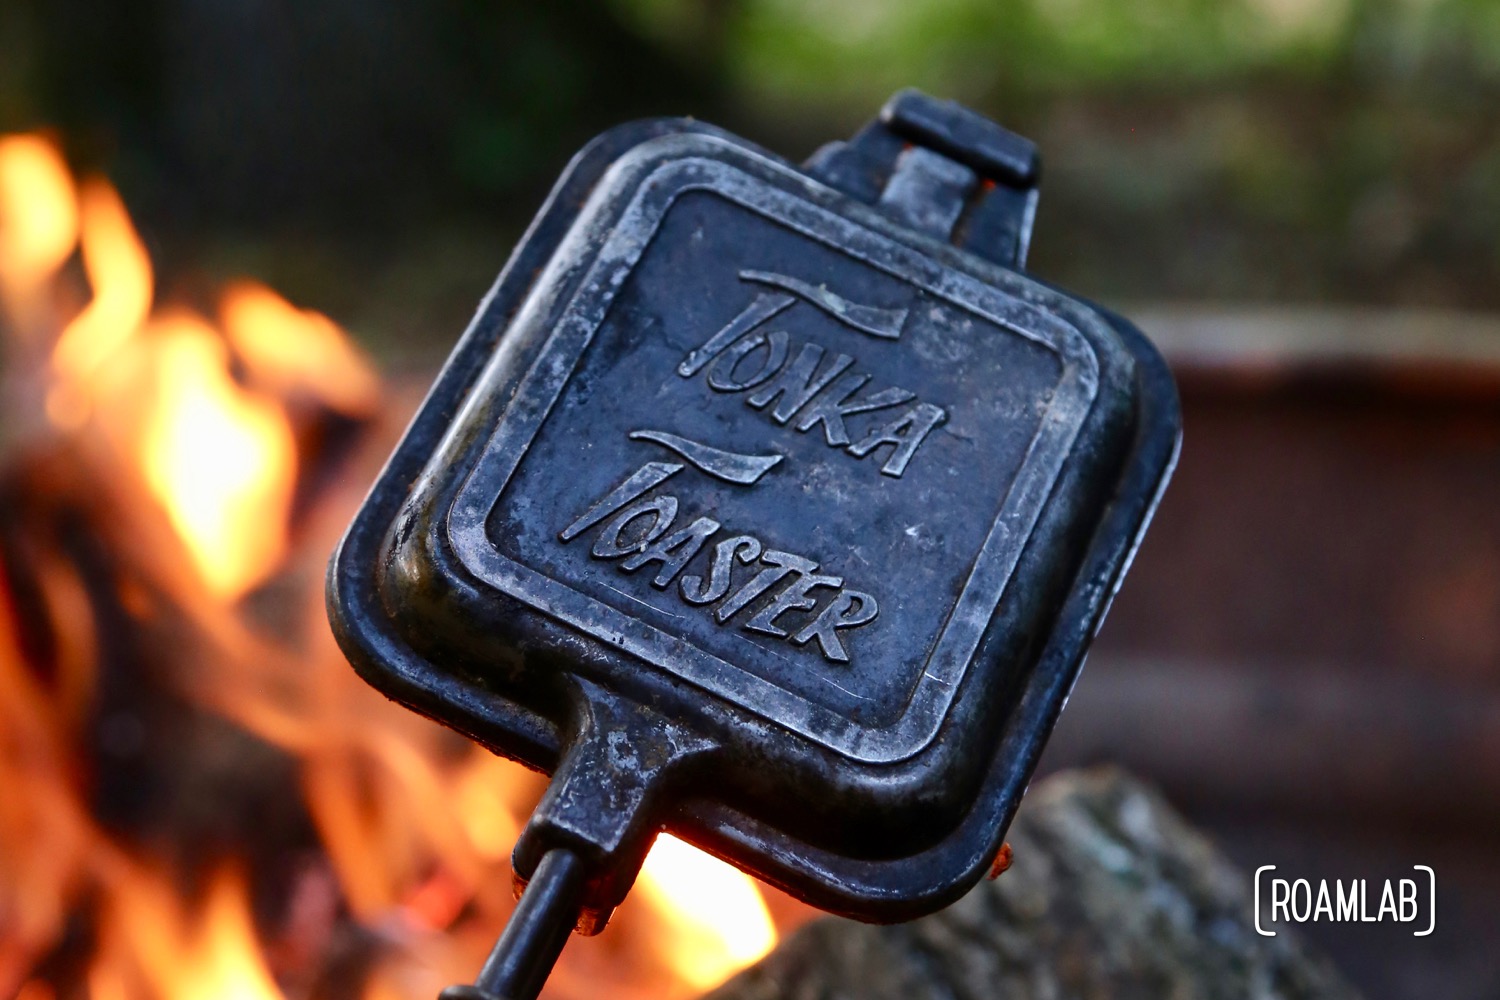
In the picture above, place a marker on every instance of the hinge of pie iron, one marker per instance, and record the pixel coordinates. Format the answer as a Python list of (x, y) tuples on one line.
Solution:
[(942, 169)]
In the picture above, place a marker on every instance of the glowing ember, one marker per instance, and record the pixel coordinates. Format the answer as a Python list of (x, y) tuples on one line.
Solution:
[(180, 441)]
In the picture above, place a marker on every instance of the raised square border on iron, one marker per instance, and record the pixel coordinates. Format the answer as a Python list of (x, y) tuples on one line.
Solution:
[(660, 172)]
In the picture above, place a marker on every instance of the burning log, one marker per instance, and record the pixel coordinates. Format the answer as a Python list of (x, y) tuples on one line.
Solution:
[(1112, 894), (201, 799)]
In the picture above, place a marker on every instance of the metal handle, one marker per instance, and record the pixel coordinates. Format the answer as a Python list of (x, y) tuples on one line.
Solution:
[(601, 803), (896, 162), (535, 935)]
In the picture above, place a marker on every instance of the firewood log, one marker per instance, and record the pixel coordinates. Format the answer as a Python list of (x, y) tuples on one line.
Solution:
[(1111, 895)]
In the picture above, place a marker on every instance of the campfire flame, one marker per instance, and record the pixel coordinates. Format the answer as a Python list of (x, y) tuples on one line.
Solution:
[(154, 946), (160, 478), (717, 919)]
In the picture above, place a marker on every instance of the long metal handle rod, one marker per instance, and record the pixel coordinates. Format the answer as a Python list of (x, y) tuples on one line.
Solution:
[(528, 947)]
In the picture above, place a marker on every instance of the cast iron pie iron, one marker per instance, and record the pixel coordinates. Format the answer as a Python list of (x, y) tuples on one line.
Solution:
[(771, 505)]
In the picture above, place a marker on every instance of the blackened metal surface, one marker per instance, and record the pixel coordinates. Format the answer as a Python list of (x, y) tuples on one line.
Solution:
[(968, 137), (895, 525), (758, 514)]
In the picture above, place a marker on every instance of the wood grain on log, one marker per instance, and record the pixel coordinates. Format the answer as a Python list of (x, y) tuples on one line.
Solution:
[(1112, 896)]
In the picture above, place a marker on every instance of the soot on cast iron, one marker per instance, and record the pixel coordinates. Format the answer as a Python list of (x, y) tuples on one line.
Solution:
[(771, 505)]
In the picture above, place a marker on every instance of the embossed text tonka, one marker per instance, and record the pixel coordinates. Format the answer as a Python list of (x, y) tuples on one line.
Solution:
[(747, 356), (771, 504)]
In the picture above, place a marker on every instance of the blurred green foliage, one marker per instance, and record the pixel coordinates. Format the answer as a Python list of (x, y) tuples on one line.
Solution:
[(857, 50), (1249, 149), (358, 152)]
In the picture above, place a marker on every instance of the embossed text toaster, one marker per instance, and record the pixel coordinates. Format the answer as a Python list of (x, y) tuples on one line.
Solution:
[(771, 505)]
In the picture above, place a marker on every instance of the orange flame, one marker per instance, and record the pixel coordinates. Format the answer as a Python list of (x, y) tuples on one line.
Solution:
[(192, 431), (291, 350), (717, 921), (44, 829), (219, 459), (38, 221), (120, 274), (177, 953)]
